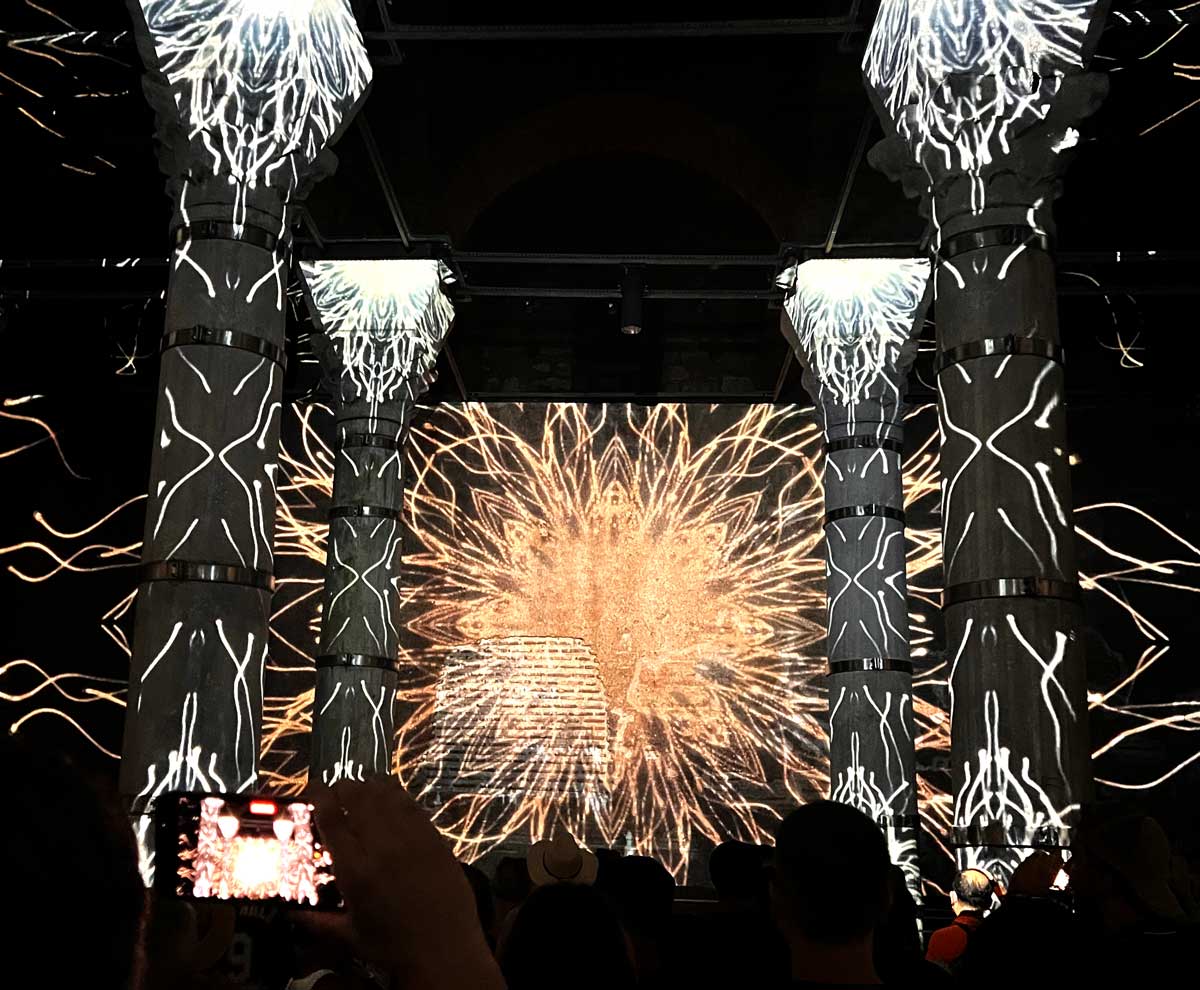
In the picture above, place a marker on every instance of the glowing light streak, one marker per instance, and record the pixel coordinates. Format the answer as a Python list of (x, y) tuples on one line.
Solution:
[(1151, 783), (50, 70), (50, 435)]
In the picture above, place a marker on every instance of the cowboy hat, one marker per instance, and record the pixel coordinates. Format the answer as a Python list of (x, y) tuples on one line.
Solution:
[(560, 860)]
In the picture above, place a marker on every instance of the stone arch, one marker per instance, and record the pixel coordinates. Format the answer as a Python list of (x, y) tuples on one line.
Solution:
[(622, 123)]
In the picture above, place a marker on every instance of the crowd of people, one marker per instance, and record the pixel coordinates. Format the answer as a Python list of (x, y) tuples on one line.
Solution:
[(823, 907)]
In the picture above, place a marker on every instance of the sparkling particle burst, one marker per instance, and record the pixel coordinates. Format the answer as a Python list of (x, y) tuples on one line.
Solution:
[(261, 85), (684, 559)]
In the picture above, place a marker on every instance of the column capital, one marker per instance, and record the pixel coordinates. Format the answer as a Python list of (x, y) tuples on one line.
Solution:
[(380, 326), (981, 102), (853, 323), (248, 95)]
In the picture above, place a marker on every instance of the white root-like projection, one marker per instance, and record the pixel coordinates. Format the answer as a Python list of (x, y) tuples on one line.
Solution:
[(854, 324), (981, 99), (381, 325)]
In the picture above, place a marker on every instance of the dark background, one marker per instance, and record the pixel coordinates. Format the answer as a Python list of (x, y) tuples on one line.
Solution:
[(730, 149)]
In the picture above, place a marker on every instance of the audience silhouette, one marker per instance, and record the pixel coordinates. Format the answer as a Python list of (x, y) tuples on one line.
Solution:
[(567, 935), (825, 907)]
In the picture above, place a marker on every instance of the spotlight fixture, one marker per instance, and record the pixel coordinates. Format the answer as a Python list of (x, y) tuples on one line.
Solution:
[(631, 301)]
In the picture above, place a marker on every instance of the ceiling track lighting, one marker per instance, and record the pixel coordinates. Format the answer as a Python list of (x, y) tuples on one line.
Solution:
[(631, 300)]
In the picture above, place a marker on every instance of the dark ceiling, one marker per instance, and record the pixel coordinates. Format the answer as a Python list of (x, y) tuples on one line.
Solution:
[(720, 148)]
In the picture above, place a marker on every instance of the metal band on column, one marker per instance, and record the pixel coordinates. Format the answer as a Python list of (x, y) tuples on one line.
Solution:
[(859, 442), (1001, 235), (211, 337)]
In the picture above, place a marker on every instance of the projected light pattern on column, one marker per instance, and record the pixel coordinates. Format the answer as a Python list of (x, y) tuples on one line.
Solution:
[(380, 327), (246, 94), (261, 87), (854, 325), (960, 81), (983, 99)]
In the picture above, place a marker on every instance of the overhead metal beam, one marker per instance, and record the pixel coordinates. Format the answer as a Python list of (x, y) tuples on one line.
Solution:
[(860, 150), (749, 28), (561, 292), (384, 180), (668, 260)]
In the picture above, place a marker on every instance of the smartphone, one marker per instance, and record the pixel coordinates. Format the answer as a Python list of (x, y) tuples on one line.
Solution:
[(239, 847)]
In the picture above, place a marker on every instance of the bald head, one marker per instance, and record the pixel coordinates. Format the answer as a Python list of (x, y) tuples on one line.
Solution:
[(973, 890)]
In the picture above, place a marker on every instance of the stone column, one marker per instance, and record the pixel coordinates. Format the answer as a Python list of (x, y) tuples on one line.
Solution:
[(380, 328), (247, 97), (981, 107), (854, 325)]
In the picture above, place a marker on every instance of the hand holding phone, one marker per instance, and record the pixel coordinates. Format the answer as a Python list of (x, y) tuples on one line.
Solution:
[(410, 905)]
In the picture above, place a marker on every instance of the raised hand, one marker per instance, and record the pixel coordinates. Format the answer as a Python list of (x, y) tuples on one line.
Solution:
[(411, 909)]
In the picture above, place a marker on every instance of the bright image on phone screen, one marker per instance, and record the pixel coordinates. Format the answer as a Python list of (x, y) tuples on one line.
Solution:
[(249, 849)]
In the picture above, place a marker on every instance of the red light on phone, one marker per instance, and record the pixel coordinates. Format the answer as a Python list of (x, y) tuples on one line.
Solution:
[(262, 807)]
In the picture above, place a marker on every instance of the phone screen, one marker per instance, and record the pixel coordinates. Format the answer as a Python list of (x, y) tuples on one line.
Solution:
[(239, 847)]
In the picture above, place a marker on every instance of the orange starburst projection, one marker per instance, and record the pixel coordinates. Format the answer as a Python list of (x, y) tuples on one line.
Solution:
[(614, 620), (683, 551)]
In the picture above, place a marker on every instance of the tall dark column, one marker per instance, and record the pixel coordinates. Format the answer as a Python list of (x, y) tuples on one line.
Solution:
[(854, 325), (247, 96), (980, 132), (380, 325)]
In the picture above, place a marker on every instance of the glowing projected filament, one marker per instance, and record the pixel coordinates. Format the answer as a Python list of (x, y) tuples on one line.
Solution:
[(853, 318), (261, 86), (963, 78)]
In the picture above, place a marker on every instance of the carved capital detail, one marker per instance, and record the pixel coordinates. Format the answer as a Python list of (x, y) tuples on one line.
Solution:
[(982, 97)]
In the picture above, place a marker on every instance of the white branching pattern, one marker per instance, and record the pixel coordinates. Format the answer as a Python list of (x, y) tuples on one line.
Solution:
[(247, 522), (344, 768), (260, 85), (881, 800), (961, 79), (875, 589), (387, 319), (1047, 525), (344, 608), (852, 318), (997, 793), (857, 786)]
